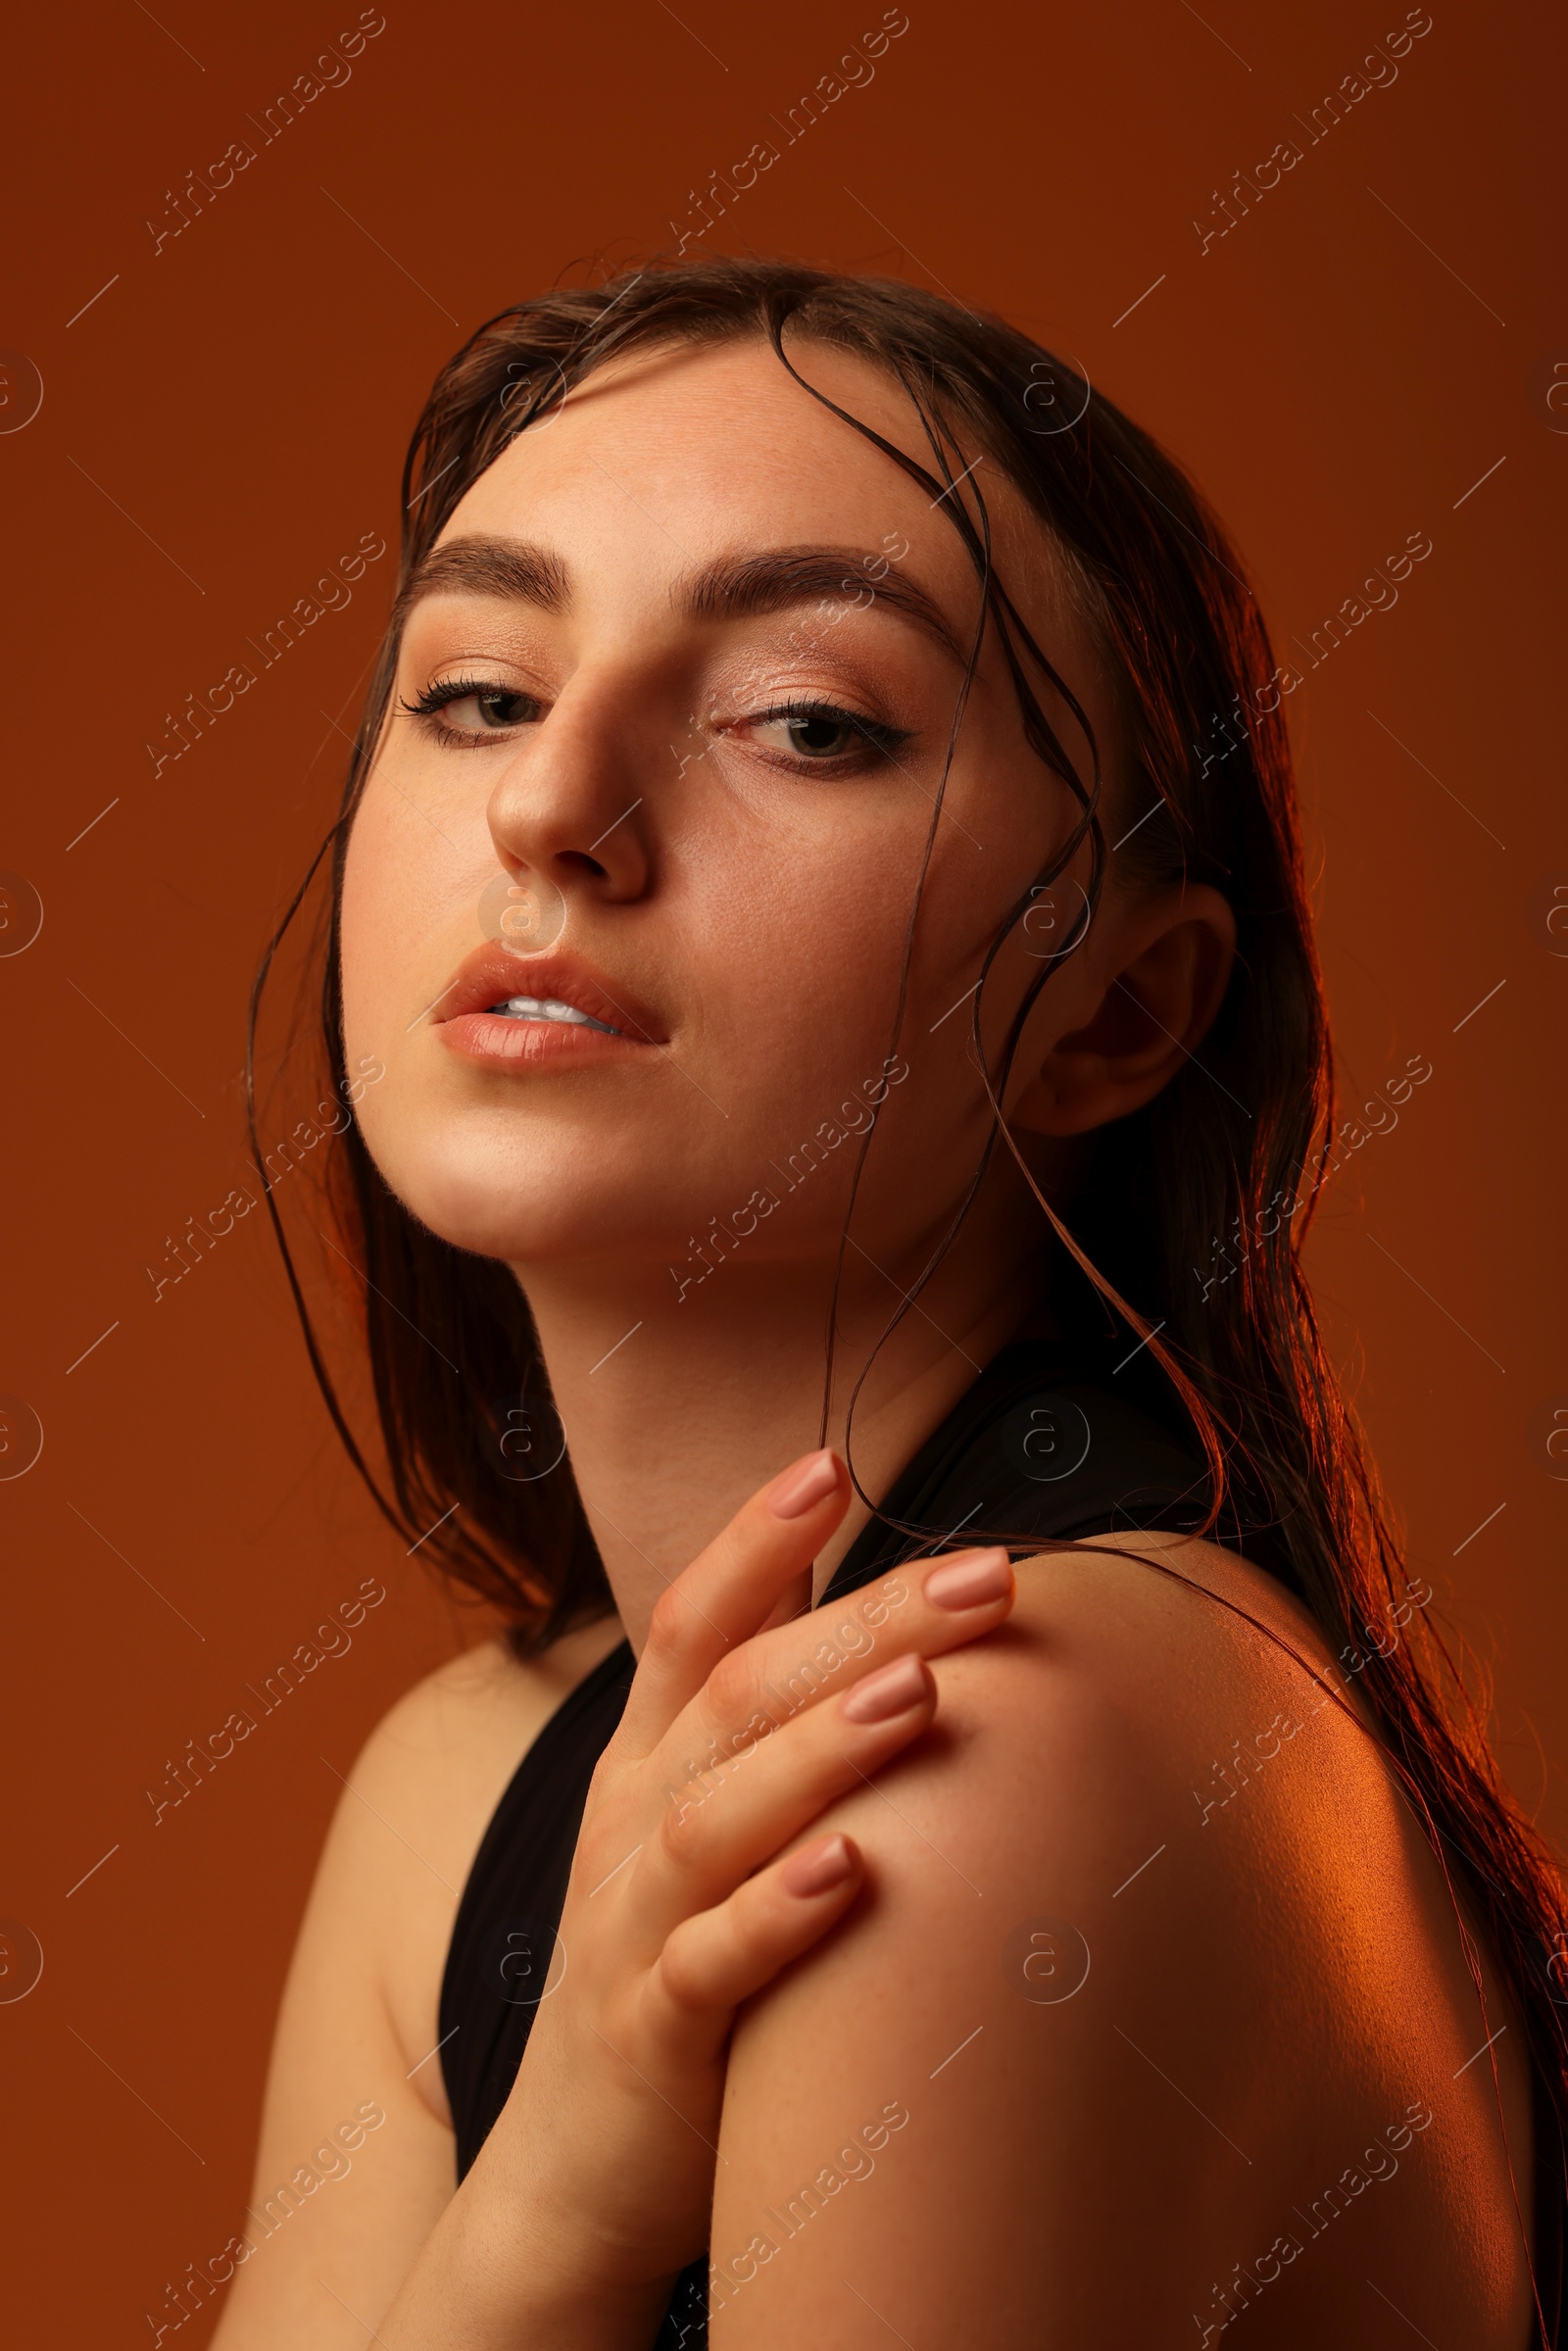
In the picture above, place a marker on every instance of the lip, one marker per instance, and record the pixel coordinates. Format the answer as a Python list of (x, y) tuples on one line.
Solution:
[(493, 974)]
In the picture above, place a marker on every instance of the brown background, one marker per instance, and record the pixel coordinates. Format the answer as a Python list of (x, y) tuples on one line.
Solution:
[(230, 416)]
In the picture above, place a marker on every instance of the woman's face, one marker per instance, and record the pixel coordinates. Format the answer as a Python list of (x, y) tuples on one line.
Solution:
[(684, 671)]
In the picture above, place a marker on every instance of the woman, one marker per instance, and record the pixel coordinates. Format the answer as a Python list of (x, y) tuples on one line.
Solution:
[(820, 875)]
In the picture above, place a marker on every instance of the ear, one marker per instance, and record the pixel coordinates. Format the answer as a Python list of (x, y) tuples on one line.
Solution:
[(1149, 993)]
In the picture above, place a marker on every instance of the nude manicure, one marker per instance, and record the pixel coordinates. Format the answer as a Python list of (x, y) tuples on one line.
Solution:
[(812, 1873), (894, 1691), (799, 1489), (970, 1582)]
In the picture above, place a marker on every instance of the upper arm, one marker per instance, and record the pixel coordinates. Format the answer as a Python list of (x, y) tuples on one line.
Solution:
[(328, 2218), (356, 2159), (1082, 2046)]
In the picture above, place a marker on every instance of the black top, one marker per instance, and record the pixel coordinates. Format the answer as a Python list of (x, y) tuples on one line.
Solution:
[(1047, 1445)]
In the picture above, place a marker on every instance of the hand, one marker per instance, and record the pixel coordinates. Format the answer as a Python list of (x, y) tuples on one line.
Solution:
[(684, 1899)]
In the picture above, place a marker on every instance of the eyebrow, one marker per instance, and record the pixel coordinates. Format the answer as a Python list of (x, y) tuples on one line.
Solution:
[(737, 587), (775, 579), (509, 568)]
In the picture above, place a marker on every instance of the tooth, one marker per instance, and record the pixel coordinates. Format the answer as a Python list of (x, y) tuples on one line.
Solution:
[(535, 1007)]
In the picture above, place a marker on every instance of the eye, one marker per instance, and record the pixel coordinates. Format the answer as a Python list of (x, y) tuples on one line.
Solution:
[(819, 734), (479, 706)]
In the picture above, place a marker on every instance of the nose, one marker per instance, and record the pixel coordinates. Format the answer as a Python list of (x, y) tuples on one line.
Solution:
[(570, 805)]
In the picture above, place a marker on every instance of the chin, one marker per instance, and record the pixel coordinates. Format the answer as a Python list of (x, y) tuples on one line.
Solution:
[(519, 1207)]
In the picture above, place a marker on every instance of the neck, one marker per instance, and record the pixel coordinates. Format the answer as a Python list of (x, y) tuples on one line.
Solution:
[(675, 1413)]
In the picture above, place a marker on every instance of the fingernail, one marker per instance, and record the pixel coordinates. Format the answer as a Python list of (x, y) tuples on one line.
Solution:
[(810, 1481), (817, 1868), (892, 1690), (970, 1582)]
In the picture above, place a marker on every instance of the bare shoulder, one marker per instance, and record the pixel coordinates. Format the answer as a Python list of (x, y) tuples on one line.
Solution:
[(1154, 1947), (355, 2161), (447, 1748), (420, 1798)]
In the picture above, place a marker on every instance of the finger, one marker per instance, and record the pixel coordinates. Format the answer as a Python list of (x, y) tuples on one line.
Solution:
[(793, 1601), (715, 1831), (928, 1607), (730, 1589), (712, 1962)]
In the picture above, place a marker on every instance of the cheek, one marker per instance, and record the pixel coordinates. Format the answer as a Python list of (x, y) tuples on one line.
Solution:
[(368, 886), (403, 885), (399, 943), (798, 939)]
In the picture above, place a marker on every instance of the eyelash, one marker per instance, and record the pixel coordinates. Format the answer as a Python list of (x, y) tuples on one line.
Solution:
[(433, 700), (876, 734)]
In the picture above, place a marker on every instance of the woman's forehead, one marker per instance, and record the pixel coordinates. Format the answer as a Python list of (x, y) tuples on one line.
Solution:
[(683, 446), (699, 419)]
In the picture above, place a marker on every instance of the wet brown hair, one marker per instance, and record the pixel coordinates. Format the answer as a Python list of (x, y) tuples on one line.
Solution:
[(1220, 1170)]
